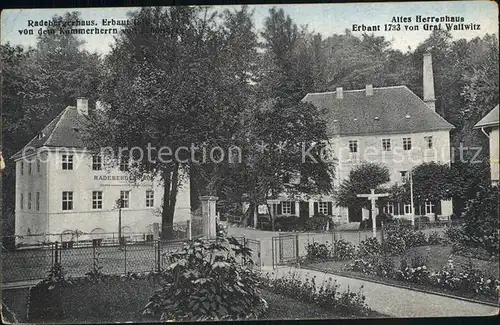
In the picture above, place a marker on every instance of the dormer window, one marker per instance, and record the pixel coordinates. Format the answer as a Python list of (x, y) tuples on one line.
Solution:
[(40, 136)]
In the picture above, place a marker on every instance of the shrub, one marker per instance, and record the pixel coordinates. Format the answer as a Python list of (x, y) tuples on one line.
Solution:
[(434, 238), (362, 266), (317, 222), (317, 251), (393, 245), (326, 295), (416, 273), (342, 250), (288, 223), (369, 247), (205, 281), (384, 266)]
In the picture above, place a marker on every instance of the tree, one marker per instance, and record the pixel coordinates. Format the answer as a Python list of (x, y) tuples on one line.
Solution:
[(362, 178)]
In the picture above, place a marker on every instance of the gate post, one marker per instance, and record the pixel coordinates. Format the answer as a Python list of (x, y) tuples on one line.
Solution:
[(297, 250), (209, 215), (189, 230), (158, 255), (125, 254)]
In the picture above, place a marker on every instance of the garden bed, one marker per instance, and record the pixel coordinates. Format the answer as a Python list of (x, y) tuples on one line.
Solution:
[(437, 257)]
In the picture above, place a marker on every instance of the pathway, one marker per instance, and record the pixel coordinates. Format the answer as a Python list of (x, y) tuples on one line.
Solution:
[(396, 302)]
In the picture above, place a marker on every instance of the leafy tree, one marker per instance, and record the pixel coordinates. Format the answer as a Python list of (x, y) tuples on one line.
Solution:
[(362, 178)]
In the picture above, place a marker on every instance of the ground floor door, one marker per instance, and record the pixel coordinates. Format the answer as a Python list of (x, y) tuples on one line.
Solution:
[(355, 214), (304, 210)]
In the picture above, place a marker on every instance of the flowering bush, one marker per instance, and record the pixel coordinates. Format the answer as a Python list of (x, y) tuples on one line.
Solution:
[(317, 251), (394, 245), (362, 266), (384, 267), (470, 280), (317, 222), (369, 247), (206, 281), (414, 274), (434, 238), (326, 295), (342, 250)]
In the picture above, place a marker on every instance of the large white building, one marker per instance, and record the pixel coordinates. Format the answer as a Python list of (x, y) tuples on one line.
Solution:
[(388, 125), (61, 188)]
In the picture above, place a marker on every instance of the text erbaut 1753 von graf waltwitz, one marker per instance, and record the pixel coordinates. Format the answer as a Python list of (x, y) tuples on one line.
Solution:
[(401, 23)]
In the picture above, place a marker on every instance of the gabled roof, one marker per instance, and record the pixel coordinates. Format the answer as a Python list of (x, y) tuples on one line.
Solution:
[(62, 131), (490, 119), (389, 110)]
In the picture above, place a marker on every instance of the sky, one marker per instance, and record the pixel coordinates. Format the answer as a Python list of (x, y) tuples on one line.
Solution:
[(327, 19)]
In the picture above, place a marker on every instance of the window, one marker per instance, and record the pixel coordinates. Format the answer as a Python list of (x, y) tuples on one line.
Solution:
[(96, 162), (67, 162), (390, 208), (404, 176), (428, 142), (429, 208), (67, 200), (38, 166), (29, 168), (124, 164), (386, 144), (124, 197), (21, 203), (37, 201), (323, 208), (29, 201), (96, 200), (353, 146), (22, 168), (286, 207), (150, 195), (406, 143), (407, 208)]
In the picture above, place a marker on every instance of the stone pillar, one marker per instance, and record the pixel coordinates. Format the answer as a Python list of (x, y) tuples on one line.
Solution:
[(156, 230), (209, 215)]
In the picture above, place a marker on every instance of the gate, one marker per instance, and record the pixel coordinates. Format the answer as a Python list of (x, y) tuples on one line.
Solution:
[(285, 249)]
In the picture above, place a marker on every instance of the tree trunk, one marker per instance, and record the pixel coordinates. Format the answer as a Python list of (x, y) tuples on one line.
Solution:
[(170, 189), (271, 217), (255, 214)]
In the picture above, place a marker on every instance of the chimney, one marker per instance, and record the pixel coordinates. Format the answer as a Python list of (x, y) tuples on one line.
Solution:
[(369, 90), (428, 82), (82, 106), (340, 93)]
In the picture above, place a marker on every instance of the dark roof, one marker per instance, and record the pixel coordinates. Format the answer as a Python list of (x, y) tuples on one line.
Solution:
[(491, 119), (62, 131), (388, 110)]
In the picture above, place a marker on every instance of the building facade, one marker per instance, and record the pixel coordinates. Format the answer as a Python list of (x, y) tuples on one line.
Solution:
[(489, 124), (63, 190), (389, 125)]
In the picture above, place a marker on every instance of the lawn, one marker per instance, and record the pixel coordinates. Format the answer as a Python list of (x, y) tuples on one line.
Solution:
[(437, 256)]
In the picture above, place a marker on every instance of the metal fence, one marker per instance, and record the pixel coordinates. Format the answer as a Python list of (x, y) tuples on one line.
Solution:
[(34, 263)]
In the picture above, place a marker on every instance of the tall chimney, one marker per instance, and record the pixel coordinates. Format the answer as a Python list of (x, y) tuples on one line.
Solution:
[(82, 106), (369, 90), (340, 93), (428, 82)]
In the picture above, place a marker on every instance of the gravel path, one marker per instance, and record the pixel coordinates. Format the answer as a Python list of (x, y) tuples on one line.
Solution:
[(396, 302)]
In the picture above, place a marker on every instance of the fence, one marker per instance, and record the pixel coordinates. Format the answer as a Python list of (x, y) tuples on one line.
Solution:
[(288, 248), (33, 263)]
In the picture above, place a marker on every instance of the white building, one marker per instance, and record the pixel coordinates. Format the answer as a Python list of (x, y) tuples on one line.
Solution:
[(388, 125), (490, 125), (63, 189)]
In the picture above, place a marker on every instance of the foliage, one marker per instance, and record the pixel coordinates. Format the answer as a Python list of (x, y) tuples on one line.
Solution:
[(95, 275), (362, 266), (342, 250), (393, 245), (206, 281), (416, 273), (369, 247), (412, 238), (434, 238), (288, 223), (481, 226), (317, 251), (326, 294), (362, 178), (317, 222)]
